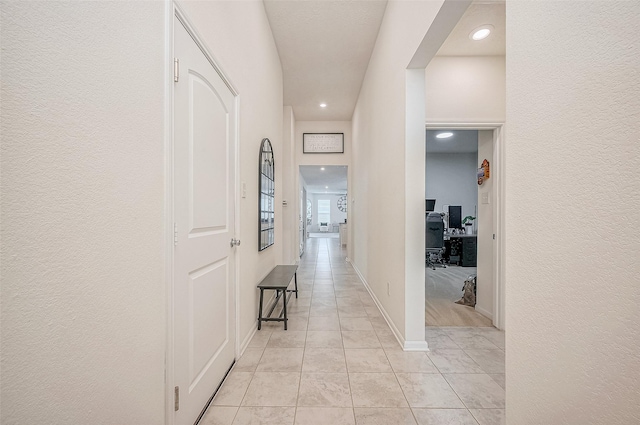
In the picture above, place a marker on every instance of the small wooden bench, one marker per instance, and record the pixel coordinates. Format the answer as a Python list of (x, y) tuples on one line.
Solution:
[(278, 280)]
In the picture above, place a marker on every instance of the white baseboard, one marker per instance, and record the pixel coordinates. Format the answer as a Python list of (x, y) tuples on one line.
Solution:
[(484, 312), (405, 345), (415, 346), (247, 340), (254, 329)]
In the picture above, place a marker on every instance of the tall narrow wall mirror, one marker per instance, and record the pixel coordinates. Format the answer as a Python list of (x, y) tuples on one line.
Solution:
[(266, 201)]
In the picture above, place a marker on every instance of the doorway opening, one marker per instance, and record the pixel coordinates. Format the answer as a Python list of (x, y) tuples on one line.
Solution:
[(323, 191), (452, 211), (489, 243)]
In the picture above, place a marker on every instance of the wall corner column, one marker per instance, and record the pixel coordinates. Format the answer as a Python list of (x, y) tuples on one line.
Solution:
[(414, 210)]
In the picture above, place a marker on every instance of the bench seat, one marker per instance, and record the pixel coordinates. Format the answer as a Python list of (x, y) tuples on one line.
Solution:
[(278, 280)]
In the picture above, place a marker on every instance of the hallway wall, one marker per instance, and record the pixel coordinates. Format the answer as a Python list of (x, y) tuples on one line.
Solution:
[(451, 179), (323, 127), (572, 161), (84, 322), (379, 162), (83, 284), (485, 225), (465, 89), (291, 213)]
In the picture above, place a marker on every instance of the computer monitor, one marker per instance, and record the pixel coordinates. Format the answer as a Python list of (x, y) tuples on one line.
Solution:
[(430, 205), (455, 217)]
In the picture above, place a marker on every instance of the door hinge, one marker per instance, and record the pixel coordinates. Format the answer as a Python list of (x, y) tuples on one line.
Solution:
[(176, 399), (176, 70), (175, 234)]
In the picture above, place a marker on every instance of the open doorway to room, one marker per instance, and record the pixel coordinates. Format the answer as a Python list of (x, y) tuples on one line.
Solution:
[(324, 202), (463, 89), (465, 96), (452, 231)]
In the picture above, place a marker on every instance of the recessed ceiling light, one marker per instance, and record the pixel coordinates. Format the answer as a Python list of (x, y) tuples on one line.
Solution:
[(481, 33), (323, 105), (322, 168), (326, 187), (444, 135)]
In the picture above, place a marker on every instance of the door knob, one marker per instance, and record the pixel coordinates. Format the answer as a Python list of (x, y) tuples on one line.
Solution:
[(235, 242)]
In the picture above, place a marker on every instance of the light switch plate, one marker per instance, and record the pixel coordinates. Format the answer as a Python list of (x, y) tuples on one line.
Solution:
[(485, 198)]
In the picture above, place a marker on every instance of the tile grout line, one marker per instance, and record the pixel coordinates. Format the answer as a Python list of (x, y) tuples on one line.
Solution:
[(460, 398), (326, 255), (304, 350)]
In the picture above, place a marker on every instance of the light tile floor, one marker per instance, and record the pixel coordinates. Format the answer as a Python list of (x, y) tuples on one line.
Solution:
[(339, 363)]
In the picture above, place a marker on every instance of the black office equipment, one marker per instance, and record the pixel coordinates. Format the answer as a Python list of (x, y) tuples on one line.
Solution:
[(461, 250), (469, 249), (435, 231), (434, 240), (430, 205), (455, 217), (452, 250)]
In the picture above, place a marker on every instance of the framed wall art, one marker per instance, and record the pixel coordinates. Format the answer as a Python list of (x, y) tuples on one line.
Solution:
[(323, 143)]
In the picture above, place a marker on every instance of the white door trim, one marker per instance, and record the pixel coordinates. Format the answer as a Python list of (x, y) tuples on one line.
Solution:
[(172, 9), (182, 17), (168, 208), (499, 247)]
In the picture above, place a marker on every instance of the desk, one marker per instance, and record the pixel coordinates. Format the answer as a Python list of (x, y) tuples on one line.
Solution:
[(461, 250)]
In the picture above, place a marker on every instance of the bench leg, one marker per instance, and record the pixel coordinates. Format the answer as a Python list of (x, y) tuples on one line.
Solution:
[(295, 280), (284, 301), (260, 309)]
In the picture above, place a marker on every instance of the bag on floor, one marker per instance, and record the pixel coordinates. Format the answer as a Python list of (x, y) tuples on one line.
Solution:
[(469, 292)]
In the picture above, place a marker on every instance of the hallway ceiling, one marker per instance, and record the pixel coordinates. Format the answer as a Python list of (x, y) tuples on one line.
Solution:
[(325, 46), (324, 49), (462, 141), (479, 13), (334, 176)]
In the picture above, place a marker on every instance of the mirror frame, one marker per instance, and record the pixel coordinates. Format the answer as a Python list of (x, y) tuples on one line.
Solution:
[(266, 196)]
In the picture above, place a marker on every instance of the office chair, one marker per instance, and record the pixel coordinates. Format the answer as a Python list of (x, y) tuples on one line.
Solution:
[(434, 240)]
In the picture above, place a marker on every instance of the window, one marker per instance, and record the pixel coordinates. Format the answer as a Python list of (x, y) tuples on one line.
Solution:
[(324, 211)]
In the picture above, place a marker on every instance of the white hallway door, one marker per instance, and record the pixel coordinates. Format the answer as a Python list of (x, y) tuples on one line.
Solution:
[(204, 198)]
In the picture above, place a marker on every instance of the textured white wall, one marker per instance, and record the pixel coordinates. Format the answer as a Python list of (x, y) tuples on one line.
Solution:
[(572, 161), (83, 306), (291, 213), (239, 36), (379, 157), (358, 198), (450, 179), (467, 89), (415, 224), (485, 227), (323, 127), (302, 207)]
